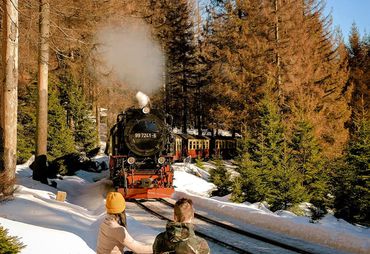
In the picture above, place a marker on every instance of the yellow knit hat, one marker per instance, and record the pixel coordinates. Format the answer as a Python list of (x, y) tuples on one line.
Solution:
[(115, 203)]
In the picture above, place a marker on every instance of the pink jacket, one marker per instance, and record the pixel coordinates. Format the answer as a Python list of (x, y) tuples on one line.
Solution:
[(113, 237)]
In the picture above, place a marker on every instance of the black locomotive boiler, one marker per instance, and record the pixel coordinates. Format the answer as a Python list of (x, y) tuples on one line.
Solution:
[(140, 159)]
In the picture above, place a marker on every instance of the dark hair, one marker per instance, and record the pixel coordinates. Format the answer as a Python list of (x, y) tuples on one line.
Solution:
[(121, 218), (184, 210)]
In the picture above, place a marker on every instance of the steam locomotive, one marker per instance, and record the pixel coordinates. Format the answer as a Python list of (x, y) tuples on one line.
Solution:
[(139, 148)]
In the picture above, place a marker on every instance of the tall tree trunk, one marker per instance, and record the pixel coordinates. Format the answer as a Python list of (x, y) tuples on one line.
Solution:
[(42, 106), (9, 99), (39, 166)]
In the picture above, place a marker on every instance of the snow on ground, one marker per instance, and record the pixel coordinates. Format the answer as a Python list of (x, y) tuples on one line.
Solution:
[(46, 225)]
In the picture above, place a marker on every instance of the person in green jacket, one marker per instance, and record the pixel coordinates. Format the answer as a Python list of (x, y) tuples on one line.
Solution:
[(179, 236)]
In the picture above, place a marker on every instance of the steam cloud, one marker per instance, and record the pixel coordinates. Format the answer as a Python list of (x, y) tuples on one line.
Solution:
[(142, 98), (130, 51)]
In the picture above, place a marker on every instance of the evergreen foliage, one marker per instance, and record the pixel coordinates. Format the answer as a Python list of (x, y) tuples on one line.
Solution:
[(199, 163), (221, 178), (237, 194), (60, 136), (250, 42), (79, 115), (306, 154), (359, 79), (352, 197), (281, 176), (250, 185), (174, 27), (26, 128), (266, 169), (60, 139), (69, 116), (9, 244)]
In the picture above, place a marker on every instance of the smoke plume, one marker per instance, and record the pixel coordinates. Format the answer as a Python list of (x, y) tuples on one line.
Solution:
[(142, 99), (129, 50)]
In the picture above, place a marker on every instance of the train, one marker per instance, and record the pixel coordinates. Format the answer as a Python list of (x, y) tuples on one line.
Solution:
[(205, 147), (140, 156), (142, 146)]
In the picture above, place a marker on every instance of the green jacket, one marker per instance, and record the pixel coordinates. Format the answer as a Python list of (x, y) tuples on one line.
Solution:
[(179, 238)]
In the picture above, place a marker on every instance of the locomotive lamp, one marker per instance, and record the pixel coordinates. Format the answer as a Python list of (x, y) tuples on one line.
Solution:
[(131, 160), (146, 110), (161, 160)]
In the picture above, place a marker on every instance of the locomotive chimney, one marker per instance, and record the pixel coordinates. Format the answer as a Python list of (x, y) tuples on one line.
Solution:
[(142, 99)]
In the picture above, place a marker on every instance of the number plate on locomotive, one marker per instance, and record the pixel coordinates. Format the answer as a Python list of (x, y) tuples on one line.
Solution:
[(144, 135)]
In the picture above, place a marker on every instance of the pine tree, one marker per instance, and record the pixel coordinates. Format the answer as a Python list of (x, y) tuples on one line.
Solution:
[(221, 178), (251, 184), (26, 123), (174, 28), (315, 77), (286, 189), (237, 194), (79, 114), (352, 200), (60, 137), (359, 80), (9, 244), (235, 50), (284, 185), (267, 171), (306, 154)]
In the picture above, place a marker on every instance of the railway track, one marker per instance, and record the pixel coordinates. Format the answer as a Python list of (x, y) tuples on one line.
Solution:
[(244, 232), (238, 240)]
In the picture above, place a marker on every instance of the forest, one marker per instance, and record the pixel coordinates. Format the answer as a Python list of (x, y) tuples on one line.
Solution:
[(274, 71)]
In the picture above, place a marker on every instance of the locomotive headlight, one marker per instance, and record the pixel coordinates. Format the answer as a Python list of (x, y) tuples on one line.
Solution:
[(131, 160), (161, 160), (146, 110)]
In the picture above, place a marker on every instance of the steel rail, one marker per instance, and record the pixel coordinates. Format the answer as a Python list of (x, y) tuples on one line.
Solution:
[(245, 233), (217, 241)]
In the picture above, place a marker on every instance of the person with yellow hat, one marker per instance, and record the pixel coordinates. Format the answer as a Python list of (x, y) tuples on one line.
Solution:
[(113, 236)]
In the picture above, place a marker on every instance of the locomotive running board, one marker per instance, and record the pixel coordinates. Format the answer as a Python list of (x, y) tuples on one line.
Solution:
[(146, 193)]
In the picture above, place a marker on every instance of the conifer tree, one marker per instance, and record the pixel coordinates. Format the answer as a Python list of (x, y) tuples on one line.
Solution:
[(235, 50), (237, 194), (10, 244), (250, 185), (352, 199), (79, 114), (221, 178), (359, 80), (60, 137), (175, 29), (307, 156), (26, 123), (284, 184), (267, 171), (286, 189)]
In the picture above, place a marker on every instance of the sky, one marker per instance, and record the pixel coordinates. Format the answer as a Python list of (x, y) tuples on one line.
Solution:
[(46, 225), (346, 12)]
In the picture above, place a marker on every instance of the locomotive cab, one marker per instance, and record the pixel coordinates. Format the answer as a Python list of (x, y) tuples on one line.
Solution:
[(139, 148)]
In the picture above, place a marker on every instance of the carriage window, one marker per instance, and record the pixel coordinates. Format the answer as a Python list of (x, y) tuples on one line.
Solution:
[(206, 144), (178, 145)]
